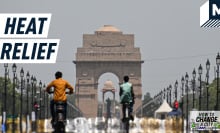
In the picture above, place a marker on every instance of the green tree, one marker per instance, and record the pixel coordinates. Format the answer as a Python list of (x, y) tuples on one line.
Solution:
[(9, 101), (212, 88)]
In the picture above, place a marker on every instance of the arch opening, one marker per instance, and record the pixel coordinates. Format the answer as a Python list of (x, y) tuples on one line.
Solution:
[(105, 77)]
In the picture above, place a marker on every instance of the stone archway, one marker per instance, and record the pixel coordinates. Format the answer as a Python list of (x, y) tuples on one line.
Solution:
[(108, 50)]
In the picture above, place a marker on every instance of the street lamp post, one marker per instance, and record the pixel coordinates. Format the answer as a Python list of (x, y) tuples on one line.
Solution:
[(207, 83), (32, 103), (40, 86), (27, 93), (4, 120), (164, 93), (194, 81), (170, 87), (161, 96), (34, 112), (22, 76), (187, 100), (182, 81), (6, 73), (44, 101), (200, 85), (167, 94), (32, 93), (14, 67), (217, 63), (47, 106), (34, 88), (176, 85)]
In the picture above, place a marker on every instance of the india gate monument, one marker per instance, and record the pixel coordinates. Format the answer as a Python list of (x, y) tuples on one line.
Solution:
[(107, 50)]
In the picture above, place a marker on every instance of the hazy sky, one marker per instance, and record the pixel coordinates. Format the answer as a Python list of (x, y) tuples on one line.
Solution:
[(167, 32)]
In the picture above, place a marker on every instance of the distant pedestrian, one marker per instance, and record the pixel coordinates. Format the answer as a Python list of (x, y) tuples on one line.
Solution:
[(176, 105)]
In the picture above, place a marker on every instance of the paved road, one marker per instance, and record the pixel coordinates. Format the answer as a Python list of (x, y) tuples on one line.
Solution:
[(82, 125), (99, 125)]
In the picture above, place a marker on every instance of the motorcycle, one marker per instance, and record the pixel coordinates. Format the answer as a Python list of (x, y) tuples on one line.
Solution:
[(59, 122)]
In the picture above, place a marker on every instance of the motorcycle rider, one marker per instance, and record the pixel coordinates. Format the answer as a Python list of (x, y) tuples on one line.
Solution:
[(60, 85), (127, 96)]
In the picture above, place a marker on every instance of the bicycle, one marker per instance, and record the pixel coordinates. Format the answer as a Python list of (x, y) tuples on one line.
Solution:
[(127, 117)]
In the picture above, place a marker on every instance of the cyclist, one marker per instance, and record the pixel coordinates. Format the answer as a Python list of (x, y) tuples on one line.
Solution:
[(60, 86), (127, 96)]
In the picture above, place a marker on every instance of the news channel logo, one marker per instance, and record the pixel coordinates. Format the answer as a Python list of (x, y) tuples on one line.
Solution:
[(210, 14), (205, 120)]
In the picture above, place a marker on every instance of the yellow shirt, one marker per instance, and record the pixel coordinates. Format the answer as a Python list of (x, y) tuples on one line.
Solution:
[(60, 86)]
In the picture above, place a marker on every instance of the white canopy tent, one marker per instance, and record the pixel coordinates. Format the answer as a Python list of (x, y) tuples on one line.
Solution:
[(163, 110)]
